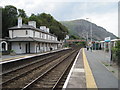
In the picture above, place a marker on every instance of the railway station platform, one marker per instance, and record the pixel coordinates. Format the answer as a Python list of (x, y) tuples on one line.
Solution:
[(9, 58), (89, 71)]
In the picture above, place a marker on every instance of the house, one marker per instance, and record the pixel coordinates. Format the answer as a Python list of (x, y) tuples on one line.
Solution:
[(29, 39)]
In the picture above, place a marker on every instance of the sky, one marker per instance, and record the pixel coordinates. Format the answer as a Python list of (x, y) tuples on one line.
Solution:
[(104, 13)]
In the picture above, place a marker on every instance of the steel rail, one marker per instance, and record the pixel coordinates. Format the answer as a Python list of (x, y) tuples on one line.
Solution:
[(43, 74), (68, 66), (7, 81)]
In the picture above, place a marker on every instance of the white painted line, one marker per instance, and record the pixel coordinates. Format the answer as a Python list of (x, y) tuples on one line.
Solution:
[(68, 77)]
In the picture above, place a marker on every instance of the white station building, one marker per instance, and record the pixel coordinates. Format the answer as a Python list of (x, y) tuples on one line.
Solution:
[(29, 39)]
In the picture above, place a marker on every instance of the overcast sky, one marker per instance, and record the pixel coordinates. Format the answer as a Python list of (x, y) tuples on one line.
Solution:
[(101, 12)]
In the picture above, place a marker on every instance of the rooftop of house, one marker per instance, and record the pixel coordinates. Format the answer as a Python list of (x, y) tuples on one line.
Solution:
[(31, 25), (25, 26)]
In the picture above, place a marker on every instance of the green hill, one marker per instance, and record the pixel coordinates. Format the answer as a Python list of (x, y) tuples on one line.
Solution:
[(82, 27)]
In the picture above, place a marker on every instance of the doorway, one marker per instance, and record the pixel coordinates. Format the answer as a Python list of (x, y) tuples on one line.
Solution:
[(27, 47)]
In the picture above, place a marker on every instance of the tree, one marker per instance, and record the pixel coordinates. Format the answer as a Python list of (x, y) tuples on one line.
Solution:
[(9, 19), (56, 28), (22, 13)]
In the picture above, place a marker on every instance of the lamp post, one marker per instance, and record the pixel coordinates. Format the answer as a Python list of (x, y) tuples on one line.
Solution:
[(90, 29)]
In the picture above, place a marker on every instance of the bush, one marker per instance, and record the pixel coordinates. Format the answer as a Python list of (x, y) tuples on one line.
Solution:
[(12, 51), (107, 50), (116, 53)]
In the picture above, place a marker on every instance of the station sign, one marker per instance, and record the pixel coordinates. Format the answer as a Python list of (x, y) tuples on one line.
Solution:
[(107, 39)]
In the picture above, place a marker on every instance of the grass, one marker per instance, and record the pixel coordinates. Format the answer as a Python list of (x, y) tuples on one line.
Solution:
[(106, 64), (113, 71)]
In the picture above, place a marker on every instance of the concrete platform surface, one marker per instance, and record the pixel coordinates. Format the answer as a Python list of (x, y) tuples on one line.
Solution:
[(103, 77), (88, 72), (9, 58), (76, 77)]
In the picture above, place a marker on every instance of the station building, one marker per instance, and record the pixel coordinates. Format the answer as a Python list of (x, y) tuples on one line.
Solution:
[(29, 39)]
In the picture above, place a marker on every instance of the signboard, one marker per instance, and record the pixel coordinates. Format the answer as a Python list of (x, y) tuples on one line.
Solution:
[(107, 39)]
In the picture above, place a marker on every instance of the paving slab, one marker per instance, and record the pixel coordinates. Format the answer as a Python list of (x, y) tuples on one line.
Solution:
[(103, 77), (76, 78)]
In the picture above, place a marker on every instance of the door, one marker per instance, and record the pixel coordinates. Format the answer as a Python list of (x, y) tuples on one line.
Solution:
[(27, 47)]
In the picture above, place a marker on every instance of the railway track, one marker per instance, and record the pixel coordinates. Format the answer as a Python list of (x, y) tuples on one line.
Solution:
[(15, 73), (8, 67), (23, 77), (54, 77)]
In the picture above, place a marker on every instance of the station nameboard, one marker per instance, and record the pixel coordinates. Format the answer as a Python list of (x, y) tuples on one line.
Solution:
[(107, 39)]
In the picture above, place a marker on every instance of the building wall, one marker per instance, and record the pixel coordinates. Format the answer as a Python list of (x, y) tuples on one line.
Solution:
[(10, 33), (32, 47), (20, 33), (31, 33), (35, 47), (18, 47), (37, 34)]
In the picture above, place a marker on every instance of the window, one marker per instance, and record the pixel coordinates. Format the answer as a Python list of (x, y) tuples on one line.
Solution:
[(12, 33), (20, 45), (46, 36), (39, 46), (3, 46), (26, 32), (33, 33), (40, 35)]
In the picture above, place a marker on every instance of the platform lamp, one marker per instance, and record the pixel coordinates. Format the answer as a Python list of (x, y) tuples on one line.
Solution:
[(90, 28)]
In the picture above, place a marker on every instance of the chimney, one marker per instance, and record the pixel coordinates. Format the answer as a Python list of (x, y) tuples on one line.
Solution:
[(43, 28), (47, 29), (19, 22), (32, 23)]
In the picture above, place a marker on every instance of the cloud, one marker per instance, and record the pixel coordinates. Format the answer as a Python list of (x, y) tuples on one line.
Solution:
[(109, 21), (102, 12)]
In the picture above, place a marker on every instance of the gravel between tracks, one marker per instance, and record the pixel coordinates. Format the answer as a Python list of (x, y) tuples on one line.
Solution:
[(22, 81)]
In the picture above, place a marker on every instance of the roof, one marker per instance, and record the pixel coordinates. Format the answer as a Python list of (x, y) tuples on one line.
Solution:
[(25, 26), (115, 39), (31, 39)]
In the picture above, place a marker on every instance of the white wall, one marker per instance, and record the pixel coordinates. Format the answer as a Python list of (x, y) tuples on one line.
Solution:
[(32, 47), (10, 33), (30, 33), (16, 47), (21, 33), (37, 34)]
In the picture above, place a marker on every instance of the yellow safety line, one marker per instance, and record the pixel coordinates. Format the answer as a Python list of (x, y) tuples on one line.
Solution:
[(90, 82)]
